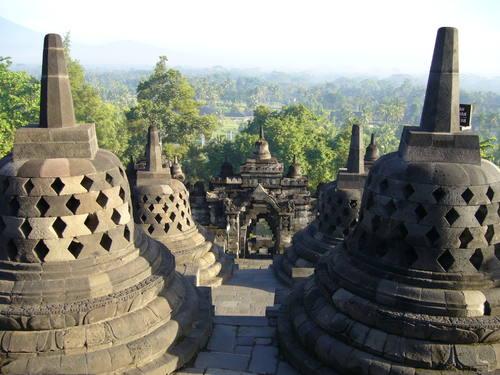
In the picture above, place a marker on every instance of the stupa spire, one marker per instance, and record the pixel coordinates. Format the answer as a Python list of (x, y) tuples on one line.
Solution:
[(153, 150), (441, 105), (261, 132), (355, 162), (56, 102)]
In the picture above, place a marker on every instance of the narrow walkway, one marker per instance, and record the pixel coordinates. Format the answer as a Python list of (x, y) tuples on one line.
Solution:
[(243, 341)]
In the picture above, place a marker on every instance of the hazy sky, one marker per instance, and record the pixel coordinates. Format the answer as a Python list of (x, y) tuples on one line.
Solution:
[(379, 36)]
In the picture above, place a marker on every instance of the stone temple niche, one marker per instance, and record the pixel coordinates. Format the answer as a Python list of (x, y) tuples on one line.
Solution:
[(338, 208), (83, 290), (413, 290), (164, 212), (260, 192)]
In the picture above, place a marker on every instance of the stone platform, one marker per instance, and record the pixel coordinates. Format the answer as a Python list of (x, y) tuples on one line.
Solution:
[(244, 341)]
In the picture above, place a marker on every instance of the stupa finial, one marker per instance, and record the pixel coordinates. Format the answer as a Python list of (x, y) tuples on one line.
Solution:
[(355, 163), (56, 102), (261, 132), (441, 105), (153, 150)]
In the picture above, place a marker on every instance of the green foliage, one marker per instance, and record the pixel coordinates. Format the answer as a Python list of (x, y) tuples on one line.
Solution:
[(167, 100), (19, 103), (110, 121)]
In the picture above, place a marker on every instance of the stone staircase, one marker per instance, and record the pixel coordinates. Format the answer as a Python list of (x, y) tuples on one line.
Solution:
[(243, 341)]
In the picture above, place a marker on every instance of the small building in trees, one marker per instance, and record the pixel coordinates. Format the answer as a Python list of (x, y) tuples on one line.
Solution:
[(258, 210)]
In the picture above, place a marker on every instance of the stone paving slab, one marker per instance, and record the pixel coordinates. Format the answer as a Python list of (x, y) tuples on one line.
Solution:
[(244, 337)]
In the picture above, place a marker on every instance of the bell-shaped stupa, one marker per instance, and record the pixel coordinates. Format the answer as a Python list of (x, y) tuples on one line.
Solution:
[(164, 212), (82, 290), (338, 208), (414, 289)]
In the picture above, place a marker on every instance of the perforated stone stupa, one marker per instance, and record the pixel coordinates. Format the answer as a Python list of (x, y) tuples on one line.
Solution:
[(82, 290), (163, 211), (414, 289), (338, 208)]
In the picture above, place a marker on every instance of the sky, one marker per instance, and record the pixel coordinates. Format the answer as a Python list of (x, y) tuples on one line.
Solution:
[(354, 36)]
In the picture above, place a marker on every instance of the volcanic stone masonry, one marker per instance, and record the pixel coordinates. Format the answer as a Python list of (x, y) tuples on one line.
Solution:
[(82, 290), (163, 211), (414, 289), (338, 208), (260, 191)]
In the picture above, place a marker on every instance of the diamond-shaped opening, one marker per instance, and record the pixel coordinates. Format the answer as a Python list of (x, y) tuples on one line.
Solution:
[(59, 226), (151, 229), (432, 235), (490, 193), (166, 228), (158, 199), (57, 185), (102, 199), (353, 203), (420, 211), (384, 185), (451, 216), (87, 183), (188, 222), (446, 260), (477, 259), (369, 200), (12, 250), (179, 226), (75, 248), (467, 195), (126, 233), (92, 222), (5, 184), (14, 206), (115, 216), (106, 242), (122, 172), (28, 186), (490, 232), (183, 214), (144, 198), (375, 223), (41, 250), (438, 194), (390, 208), (171, 197), (26, 228), (143, 218), (158, 218), (408, 191), (2, 224), (381, 249), (487, 309), (177, 205), (465, 238), (42, 206), (409, 257), (172, 216), (481, 214), (165, 208), (121, 194), (402, 230), (151, 207), (73, 204), (109, 179)]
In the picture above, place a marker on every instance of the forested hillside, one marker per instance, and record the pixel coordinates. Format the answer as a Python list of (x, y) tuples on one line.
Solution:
[(206, 115)]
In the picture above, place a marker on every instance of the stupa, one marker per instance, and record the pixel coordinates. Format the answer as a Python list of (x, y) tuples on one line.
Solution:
[(414, 289), (338, 207), (164, 212), (83, 291)]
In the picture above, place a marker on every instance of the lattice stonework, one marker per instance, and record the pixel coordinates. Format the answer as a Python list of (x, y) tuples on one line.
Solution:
[(459, 222), (164, 212), (44, 219)]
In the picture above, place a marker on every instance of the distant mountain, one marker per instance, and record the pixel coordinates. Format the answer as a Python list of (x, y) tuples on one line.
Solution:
[(20, 43)]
